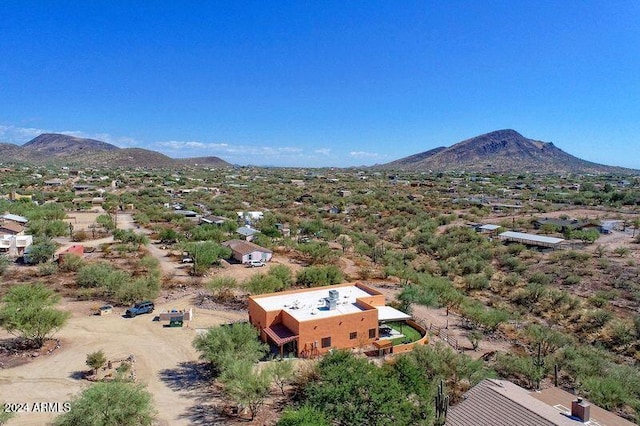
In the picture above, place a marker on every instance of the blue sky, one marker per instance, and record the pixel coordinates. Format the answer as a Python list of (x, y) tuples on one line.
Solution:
[(323, 83)]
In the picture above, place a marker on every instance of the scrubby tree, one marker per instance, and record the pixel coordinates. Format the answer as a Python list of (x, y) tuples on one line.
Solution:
[(221, 287), (224, 344), (41, 251), (205, 254), (110, 403), (281, 372), (96, 360), (106, 222), (352, 391), (28, 312), (168, 235), (244, 385)]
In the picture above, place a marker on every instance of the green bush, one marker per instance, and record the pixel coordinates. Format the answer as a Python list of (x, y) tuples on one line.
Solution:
[(47, 268), (71, 263), (93, 274), (315, 276)]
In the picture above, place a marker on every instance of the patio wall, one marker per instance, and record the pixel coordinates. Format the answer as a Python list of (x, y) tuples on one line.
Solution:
[(398, 349)]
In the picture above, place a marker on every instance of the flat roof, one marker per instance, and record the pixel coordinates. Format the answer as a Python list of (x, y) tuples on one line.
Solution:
[(387, 313), (530, 237), (490, 227), (310, 304)]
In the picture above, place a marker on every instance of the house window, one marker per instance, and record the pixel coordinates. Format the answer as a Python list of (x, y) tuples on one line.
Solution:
[(353, 335), (326, 342), (372, 333)]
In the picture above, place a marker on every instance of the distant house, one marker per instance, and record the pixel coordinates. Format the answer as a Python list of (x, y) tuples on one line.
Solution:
[(11, 228), (15, 218), (284, 229), (245, 251), (502, 403), (83, 187), (564, 225), (247, 232), (14, 196), (344, 193), (216, 220), (54, 182), (186, 213), (488, 229), (15, 245), (249, 217)]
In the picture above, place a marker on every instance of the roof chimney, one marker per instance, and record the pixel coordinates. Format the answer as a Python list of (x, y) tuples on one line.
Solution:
[(580, 410)]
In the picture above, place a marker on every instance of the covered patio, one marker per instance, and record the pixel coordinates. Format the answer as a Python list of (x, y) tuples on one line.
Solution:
[(280, 335)]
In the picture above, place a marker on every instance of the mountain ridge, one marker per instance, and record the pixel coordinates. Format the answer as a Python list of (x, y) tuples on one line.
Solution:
[(59, 148), (501, 151)]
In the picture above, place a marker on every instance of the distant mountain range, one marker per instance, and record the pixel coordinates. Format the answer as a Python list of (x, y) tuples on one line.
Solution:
[(502, 151), (56, 148)]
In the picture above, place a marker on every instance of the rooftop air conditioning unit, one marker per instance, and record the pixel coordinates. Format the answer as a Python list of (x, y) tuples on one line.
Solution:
[(331, 304), (333, 295)]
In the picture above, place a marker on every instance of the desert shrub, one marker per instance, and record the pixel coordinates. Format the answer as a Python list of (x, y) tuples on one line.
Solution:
[(148, 263), (282, 273), (572, 280), (476, 282), (263, 283), (71, 263), (314, 276), (4, 263), (594, 320), (540, 278), (92, 274), (142, 288), (47, 268)]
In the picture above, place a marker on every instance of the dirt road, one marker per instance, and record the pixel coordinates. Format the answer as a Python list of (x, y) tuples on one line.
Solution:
[(161, 355)]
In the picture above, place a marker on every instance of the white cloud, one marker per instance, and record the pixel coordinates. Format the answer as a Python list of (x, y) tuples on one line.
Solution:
[(18, 135), (323, 151), (364, 154)]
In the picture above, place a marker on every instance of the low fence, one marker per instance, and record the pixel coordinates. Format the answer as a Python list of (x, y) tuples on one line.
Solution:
[(443, 333), (406, 347)]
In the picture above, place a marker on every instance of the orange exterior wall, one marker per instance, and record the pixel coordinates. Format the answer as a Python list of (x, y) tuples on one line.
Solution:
[(339, 329)]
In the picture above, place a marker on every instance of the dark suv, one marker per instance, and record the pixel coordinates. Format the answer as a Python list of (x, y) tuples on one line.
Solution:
[(140, 308)]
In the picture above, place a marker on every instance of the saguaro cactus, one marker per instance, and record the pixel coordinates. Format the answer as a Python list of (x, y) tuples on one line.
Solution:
[(442, 405)]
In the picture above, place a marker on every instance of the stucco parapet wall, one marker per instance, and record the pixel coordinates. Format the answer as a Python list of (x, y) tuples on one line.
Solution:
[(308, 304)]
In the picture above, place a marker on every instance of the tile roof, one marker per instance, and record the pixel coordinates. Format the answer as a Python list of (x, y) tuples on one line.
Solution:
[(502, 403), (600, 416), (11, 227)]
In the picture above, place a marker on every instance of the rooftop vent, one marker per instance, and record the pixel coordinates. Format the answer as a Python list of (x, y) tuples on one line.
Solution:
[(580, 410)]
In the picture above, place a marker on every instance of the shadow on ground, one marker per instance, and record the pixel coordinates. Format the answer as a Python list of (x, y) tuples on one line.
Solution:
[(194, 380)]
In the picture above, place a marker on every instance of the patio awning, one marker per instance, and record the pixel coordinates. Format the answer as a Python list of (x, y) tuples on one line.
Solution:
[(280, 334), (387, 313)]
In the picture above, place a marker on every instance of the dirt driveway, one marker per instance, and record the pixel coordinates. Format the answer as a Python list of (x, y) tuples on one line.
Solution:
[(161, 355)]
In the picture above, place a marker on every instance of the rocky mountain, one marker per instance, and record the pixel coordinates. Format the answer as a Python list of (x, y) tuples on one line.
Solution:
[(502, 151), (70, 150)]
